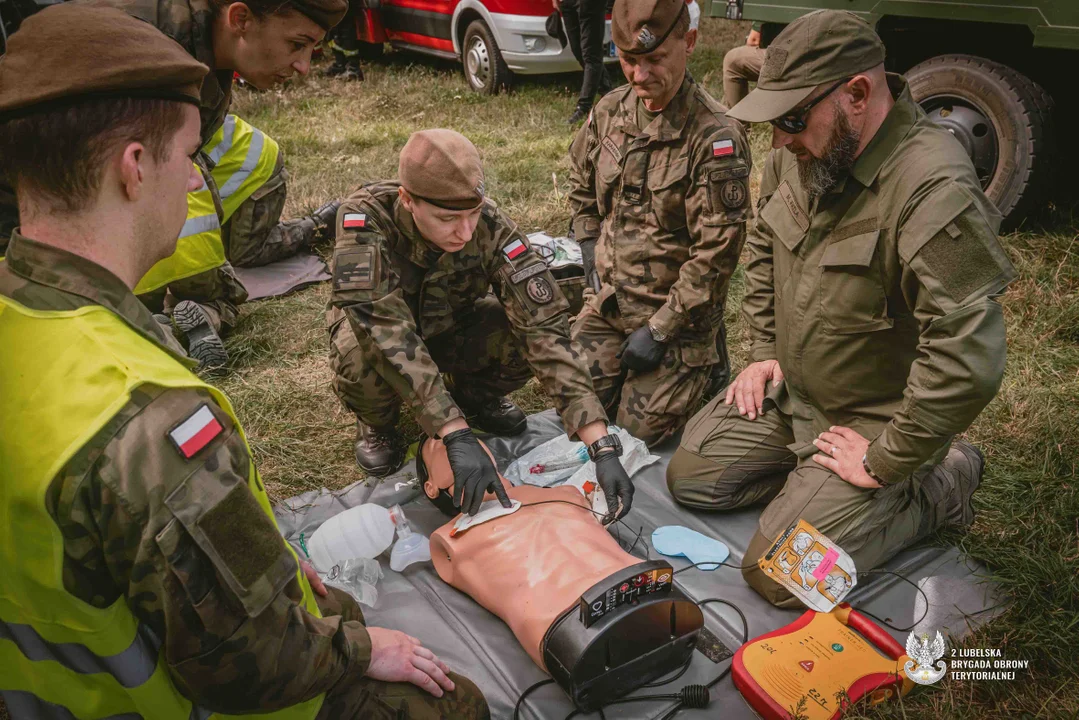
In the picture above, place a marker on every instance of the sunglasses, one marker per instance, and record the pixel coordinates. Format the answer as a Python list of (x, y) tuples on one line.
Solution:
[(794, 122)]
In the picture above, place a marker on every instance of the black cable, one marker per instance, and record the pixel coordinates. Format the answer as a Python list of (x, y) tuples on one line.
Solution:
[(668, 681), (884, 622), (526, 693), (722, 564)]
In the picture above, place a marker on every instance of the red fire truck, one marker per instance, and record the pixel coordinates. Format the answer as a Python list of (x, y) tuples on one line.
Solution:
[(494, 39)]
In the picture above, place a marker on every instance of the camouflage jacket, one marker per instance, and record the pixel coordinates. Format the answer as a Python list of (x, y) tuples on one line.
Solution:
[(227, 654), (669, 204), (190, 23), (400, 292), (878, 298)]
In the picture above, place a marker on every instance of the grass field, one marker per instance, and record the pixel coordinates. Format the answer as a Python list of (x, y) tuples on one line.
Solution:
[(337, 135)]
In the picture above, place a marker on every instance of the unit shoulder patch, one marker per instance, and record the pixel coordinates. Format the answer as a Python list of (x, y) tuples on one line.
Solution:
[(195, 432), (540, 290), (530, 271)]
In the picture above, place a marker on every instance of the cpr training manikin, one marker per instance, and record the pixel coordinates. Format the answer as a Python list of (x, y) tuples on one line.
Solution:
[(600, 621)]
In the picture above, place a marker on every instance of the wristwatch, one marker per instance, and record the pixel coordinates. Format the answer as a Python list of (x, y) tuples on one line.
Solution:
[(869, 470), (657, 335), (609, 444)]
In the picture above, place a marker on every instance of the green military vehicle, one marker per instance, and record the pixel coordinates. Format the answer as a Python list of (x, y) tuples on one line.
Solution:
[(996, 73)]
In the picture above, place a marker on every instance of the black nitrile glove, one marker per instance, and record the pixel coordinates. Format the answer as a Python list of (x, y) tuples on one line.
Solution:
[(612, 477), (588, 254), (642, 352), (473, 472)]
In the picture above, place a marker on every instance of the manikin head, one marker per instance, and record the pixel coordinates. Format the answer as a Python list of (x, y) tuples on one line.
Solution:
[(654, 41), (824, 89), (124, 161), (433, 468), (269, 41), (442, 187)]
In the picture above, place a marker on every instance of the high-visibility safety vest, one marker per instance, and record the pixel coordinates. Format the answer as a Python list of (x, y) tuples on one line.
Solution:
[(66, 374), (243, 160), (198, 249)]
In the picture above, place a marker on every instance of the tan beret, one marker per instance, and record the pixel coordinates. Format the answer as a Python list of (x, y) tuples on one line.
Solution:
[(641, 26), (326, 13), (442, 167), (72, 51)]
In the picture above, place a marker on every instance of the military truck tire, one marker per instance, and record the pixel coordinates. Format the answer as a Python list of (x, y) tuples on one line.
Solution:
[(1001, 117), (485, 70)]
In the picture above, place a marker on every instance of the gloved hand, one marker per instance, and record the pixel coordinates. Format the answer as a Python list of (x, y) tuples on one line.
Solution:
[(588, 254), (641, 352), (612, 477), (473, 472)]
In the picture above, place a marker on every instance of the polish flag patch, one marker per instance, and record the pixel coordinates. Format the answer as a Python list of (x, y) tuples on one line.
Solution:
[(722, 148), (353, 221), (196, 432), (514, 249)]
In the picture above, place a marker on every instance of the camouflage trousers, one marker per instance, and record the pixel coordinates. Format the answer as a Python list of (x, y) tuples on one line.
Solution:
[(255, 235), (726, 461), (652, 406), (480, 358), (376, 700), (218, 292)]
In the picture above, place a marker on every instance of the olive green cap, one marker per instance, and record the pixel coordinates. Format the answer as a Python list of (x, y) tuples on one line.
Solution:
[(442, 167), (821, 47), (640, 26), (72, 52), (326, 13)]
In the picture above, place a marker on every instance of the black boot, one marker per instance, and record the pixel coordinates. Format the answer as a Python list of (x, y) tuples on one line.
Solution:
[(580, 114), (379, 451), (203, 342), (496, 415), (721, 372), (326, 220), (352, 72), (339, 66)]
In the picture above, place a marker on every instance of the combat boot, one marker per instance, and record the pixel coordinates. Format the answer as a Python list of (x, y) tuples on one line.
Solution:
[(203, 342), (379, 451), (353, 72), (959, 474), (325, 219), (339, 66), (497, 415)]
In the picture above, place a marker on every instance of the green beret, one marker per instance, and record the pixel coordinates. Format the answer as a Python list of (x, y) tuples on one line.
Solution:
[(326, 13), (640, 26), (444, 168), (72, 52)]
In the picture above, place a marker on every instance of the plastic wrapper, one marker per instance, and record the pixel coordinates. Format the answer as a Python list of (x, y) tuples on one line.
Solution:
[(358, 577), (562, 460), (557, 251)]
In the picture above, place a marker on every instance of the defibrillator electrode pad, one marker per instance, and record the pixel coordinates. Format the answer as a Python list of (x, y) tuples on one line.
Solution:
[(813, 568)]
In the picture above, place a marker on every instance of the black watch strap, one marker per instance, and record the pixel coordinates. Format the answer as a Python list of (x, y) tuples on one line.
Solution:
[(608, 444)]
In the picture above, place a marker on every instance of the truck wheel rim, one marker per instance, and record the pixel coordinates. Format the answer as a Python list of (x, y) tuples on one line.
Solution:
[(971, 127), (478, 62)]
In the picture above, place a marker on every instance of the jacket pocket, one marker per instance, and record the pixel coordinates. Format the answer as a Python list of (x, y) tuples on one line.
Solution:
[(852, 296), (667, 185)]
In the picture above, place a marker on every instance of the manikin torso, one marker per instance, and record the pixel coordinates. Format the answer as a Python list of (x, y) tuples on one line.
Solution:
[(529, 567)]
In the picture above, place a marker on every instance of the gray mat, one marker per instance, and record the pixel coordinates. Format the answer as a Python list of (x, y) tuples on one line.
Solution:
[(477, 644), (283, 276)]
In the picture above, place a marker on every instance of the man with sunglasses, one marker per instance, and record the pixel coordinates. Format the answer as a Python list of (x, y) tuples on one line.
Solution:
[(660, 199), (871, 288)]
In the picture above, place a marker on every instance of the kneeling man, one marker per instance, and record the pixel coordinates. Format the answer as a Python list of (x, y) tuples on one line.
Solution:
[(871, 288), (414, 267)]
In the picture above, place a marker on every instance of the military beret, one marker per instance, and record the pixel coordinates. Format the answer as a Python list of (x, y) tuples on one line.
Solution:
[(821, 47), (72, 52), (442, 167), (326, 13), (641, 26)]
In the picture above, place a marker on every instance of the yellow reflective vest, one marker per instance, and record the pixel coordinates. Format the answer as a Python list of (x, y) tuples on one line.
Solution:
[(243, 160), (65, 375)]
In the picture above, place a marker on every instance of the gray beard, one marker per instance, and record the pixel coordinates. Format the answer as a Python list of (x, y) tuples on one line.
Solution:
[(819, 175)]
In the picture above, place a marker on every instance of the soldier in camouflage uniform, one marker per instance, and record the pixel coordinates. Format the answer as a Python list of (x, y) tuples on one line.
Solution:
[(660, 200), (413, 269), (136, 525), (205, 306), (871, 288)]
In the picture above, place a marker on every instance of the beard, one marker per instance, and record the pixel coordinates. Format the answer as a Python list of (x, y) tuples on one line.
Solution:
[(819, 175)]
